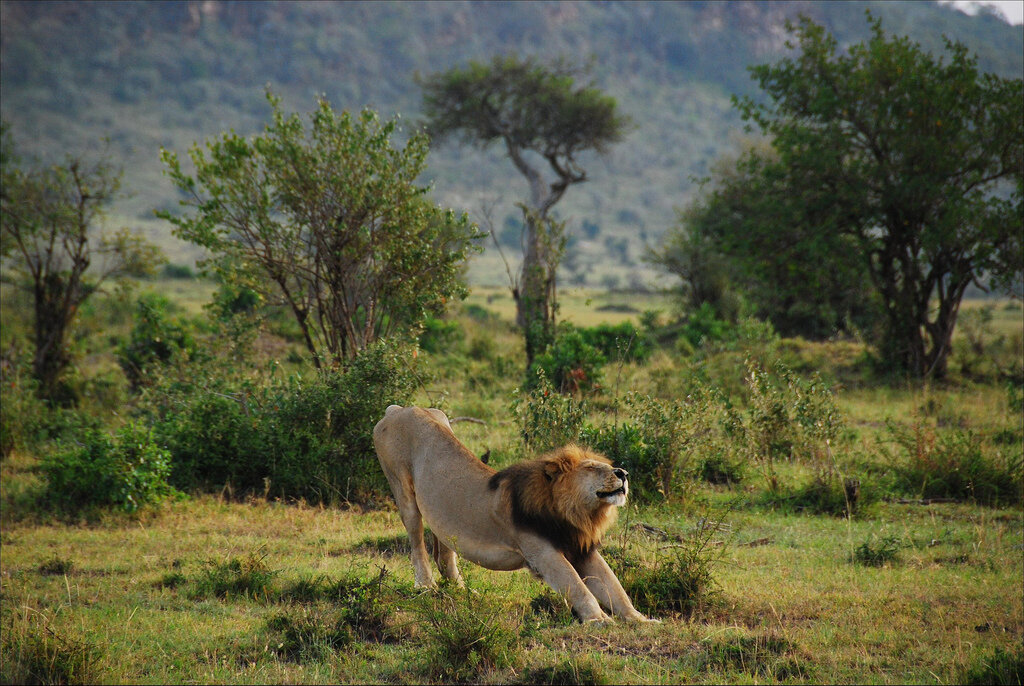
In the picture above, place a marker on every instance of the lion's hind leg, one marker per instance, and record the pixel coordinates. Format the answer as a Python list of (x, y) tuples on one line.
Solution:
[(446, 559), (405, 497)]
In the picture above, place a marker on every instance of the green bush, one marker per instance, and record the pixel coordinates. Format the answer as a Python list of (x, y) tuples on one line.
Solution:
[(440, 336), (825, 494), (545, 418), (569, 362), (156, 337), (128, 470), (22, 414), (955, 464), (300, 438), (620, 342)]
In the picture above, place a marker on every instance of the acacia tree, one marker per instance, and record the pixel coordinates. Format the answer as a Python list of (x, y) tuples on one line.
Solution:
[(52, 247), (545, 121), (328, 222), (915, 160)]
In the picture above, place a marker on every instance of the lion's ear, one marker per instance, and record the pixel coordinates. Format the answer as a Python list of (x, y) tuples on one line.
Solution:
[(556, 465)]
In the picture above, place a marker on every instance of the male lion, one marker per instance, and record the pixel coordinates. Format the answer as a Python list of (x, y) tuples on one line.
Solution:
[(546, 514)]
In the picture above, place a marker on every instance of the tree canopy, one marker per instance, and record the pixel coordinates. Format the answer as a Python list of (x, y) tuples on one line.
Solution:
[(544, 119), (911, 162), (329, 222)]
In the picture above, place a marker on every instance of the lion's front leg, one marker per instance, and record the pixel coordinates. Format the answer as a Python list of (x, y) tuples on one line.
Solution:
[(548, 563), (605, 586)]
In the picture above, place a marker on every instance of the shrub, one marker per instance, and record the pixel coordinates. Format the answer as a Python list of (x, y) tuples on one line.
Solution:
[(718, 468), (301, 438), (155, 338), (679, 579), (954, 464), (309, 633), (56, 566), (440, 336), (621, 342), (22, 414), (546, 419), (787, 418), (569, 362), (826, 494), (127, 471), (466, 634)]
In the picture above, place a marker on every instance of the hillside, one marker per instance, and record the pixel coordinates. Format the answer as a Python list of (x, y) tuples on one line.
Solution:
[(146, 75)]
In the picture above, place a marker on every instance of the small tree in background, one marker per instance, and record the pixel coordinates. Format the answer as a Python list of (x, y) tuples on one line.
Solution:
[(544, 120), (329, 222), (51, 247)]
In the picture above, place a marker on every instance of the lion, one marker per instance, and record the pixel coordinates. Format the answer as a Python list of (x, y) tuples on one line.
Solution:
[(547, 514)]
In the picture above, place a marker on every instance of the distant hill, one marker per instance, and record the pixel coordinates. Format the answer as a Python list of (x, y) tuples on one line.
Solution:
[(151, 74)]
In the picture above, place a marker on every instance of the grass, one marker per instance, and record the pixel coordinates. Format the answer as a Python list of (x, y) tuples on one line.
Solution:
[(256, 591)]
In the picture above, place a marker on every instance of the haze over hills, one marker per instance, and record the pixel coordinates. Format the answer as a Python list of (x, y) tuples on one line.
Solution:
[(154, 74)]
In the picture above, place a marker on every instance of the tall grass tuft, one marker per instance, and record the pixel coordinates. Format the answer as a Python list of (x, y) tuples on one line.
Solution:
[(465, 634), (999, 668), (33, 651), (248, 577)]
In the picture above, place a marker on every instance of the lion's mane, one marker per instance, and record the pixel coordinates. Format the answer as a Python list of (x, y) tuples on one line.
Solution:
[(548, 499)]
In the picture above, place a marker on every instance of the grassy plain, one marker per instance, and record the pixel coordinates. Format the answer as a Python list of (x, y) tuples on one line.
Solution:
[(790, 603)]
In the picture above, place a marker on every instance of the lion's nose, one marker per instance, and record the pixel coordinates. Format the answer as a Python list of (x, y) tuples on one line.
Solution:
[(621, 473)]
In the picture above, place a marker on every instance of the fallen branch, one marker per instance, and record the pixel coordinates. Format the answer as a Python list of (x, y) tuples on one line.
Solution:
[(474, 420)]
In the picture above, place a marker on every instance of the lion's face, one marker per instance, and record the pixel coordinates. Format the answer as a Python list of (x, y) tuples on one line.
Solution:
[(591, 484)]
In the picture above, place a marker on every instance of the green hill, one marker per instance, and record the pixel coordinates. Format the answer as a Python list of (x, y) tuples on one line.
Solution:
[(151, 74)]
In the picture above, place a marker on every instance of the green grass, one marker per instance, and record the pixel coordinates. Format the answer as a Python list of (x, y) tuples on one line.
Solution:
[(253, 590)]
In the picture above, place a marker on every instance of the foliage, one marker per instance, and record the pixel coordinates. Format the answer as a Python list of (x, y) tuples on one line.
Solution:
[(878, 551), (309, 633), (913, 162), (22, 413), (154, 339), (535, 111), (127, 470), (466, 634), (546, 419), (329, 222), (569, 362), (50, 246), (955, 463), (440, 336), (619, 342), (787, 418), (679, 578), (302, 438)]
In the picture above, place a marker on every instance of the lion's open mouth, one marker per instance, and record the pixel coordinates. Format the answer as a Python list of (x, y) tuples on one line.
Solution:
[(608, 494)]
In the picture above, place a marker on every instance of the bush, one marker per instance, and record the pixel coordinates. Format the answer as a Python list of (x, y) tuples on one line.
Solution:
[(825, 494), (679, 579), (22, 413), (569, 362), (127, 471), (621, 342), (156, 337), (546, 419), (301, 438), (718, 468), (440, 336), (955, 464)]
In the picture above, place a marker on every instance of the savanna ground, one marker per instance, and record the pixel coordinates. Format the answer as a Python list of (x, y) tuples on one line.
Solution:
[(248, 589)]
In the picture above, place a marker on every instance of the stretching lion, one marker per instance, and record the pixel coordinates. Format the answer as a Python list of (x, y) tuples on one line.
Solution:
[(546, 514)]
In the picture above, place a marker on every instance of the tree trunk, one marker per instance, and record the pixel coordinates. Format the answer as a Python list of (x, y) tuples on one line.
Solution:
[(51, 357)]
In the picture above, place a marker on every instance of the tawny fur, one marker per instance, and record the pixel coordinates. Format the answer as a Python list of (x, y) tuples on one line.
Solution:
[(546, 514)]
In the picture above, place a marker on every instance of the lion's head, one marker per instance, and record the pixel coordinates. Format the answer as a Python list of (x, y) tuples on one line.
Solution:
[(567, 496)]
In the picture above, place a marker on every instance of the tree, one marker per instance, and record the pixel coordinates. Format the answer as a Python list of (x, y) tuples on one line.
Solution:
[(51, 247), (913, 161), (745, 233), (543, 119), (328, 222)]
